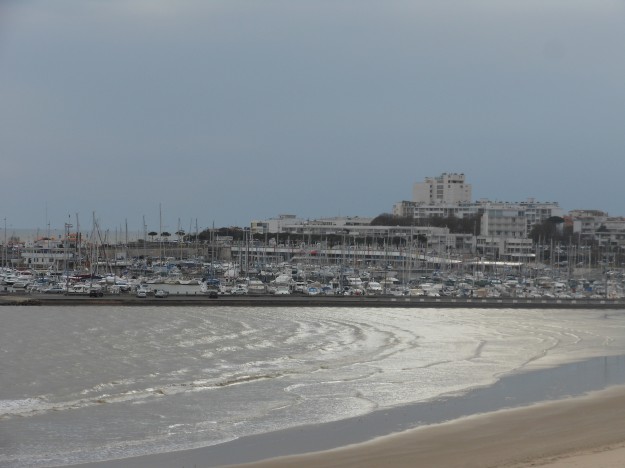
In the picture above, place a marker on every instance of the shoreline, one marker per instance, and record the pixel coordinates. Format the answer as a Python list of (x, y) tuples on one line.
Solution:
[(308, 301), (582, 432), (579, 432), (507, 406)]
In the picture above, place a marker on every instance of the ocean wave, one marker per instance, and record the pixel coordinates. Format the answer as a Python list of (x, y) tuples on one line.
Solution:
[(20, 407), (209, 376), (37, 406)]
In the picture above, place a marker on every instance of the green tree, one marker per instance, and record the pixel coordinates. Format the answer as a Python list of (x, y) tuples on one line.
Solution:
[(549, 230)]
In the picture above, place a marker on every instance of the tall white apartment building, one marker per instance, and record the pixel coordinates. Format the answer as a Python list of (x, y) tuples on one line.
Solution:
[(446, 189)]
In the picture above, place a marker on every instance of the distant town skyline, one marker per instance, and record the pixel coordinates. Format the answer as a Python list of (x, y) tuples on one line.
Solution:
[(76, 221), (226, 112), (164, 222)]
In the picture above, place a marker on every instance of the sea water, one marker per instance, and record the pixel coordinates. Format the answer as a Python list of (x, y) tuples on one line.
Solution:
[(81, 384)]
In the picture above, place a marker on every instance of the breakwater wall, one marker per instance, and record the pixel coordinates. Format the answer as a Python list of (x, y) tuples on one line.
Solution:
[(315, 301)]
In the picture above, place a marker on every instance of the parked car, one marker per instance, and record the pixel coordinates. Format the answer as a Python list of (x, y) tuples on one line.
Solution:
[(161, 293), (142, 294), (95, 293), (238, 291), (213, 294)]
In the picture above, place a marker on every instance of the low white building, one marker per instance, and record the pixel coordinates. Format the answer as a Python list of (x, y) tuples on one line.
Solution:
[(501, 248), (49, 254), (504, 222), (291, 224), (597, 226)]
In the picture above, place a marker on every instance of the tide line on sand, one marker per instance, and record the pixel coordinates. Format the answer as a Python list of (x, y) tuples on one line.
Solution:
[(586, 431)]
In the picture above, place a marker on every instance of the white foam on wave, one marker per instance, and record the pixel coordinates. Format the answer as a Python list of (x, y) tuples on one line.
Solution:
[(21, 407), (165, 442), (273, 369)]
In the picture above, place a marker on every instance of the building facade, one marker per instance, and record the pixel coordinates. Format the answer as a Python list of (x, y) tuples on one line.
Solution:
[(596, 226), (291, 224), (449, 189), (448, 195)]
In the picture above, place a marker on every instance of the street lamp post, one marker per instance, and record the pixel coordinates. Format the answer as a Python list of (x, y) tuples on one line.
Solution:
[(66, 254), (5, 253)]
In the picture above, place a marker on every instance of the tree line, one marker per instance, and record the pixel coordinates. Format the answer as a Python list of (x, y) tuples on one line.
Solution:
[(550, 230)]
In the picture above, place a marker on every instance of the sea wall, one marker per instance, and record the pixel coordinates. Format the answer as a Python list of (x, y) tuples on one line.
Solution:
[(314, 301)]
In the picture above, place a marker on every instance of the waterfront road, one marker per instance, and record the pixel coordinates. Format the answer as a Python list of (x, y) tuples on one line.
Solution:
[(310, 301)]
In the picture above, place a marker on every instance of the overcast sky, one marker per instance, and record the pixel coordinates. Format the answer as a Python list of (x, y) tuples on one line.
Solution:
[(228, 111)]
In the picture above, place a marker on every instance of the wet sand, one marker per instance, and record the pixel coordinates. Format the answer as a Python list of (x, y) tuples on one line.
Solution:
[(587, 431)]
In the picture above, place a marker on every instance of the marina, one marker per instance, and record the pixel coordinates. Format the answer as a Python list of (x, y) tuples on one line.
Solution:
[(312, 234), (410, 272)]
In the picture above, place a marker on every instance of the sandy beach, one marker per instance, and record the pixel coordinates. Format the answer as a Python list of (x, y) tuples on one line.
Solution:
[(581, 432)]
